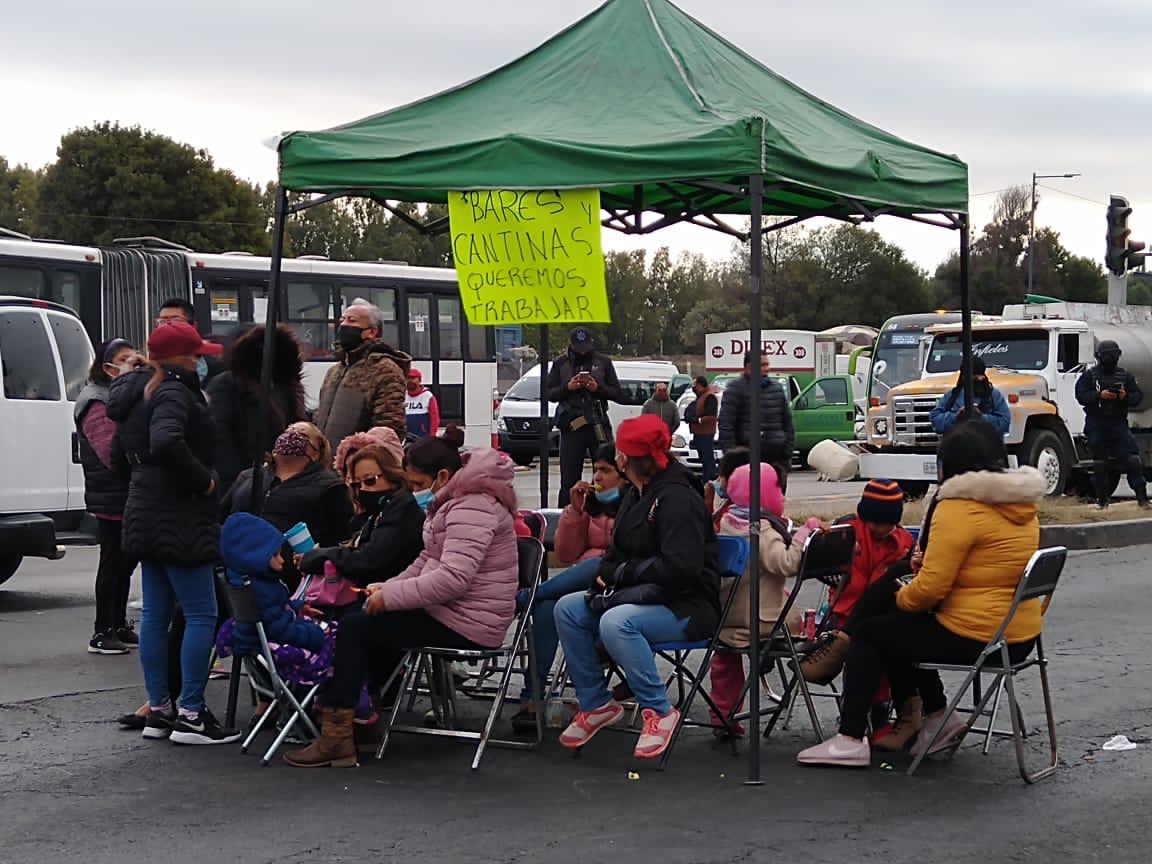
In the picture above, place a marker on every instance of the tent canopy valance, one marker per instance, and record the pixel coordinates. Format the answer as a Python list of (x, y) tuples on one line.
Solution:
[(645, 103)]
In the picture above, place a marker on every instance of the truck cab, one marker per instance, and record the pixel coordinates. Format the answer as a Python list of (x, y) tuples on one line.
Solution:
[(1033, 361)]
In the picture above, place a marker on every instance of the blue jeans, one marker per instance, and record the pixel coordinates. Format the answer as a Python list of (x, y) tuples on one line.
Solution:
[(705, 445), (577, 578), (626, 632), (162, 587)]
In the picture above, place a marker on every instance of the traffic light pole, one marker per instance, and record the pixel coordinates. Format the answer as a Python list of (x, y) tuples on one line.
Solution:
[(1117, 290)]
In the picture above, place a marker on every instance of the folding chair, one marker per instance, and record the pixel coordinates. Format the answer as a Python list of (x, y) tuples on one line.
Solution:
[(264, 677), (536, 523), (827, 557), (433, 664), (1039, 580), (732, 561), (551, 521)]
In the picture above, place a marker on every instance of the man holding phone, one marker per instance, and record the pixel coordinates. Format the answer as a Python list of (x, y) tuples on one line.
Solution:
[(582, 382)]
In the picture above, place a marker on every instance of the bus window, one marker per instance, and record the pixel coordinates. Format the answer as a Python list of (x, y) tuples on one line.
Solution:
[(419, 331), (478, 348), (451, 335), (309, 313), (22, 282), (383, 299), (66, 288), (225, 304)]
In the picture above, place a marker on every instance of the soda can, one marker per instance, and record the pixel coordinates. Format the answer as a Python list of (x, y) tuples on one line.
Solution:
[(808, 626)]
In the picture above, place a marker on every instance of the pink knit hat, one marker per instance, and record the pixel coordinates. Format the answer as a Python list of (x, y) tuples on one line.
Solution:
[(381, 435), (739, 485)]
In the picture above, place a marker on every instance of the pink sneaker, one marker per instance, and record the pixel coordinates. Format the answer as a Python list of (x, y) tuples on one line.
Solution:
[(839, 750), (950, 736), (656, 734), (585, 724)]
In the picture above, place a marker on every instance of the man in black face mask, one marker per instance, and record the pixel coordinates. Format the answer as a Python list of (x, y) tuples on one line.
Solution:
[(366, 387), (989, 405), (1107, 391), (583, 382)]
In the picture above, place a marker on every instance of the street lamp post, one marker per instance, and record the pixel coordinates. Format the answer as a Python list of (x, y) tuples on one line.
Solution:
[(1032, 221)]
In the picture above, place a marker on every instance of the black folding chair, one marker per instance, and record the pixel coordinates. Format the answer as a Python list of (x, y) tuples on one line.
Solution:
[(1038, 581), (264, 677), (827, 557), (434, 665), (732, 561)]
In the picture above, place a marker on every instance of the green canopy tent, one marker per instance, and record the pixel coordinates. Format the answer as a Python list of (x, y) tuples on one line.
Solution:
[(670, 121)]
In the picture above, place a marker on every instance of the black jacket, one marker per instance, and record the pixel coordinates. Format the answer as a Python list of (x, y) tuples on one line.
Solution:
[(664, 537), (170, 516), (234, 400), (316, 496), (1092, 381), (389, 541), (573, 403), (777, 437), (105, 486)]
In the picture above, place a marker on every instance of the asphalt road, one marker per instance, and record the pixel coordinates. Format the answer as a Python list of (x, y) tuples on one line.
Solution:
[(74, 788)]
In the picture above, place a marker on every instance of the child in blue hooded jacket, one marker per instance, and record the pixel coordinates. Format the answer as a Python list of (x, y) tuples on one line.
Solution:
[(253, 552)]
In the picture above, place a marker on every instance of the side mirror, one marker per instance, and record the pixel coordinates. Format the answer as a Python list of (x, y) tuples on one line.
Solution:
[(802, 403)]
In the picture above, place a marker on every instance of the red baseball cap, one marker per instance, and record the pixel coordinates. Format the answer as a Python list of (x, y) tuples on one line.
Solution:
[(646, 435), (179, 339)]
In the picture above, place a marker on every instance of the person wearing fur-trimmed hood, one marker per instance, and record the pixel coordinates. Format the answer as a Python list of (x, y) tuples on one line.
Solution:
[(984, 531)]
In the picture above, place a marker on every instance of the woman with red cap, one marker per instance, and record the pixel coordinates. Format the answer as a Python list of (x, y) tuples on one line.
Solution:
[(656, 582), (170, 524)]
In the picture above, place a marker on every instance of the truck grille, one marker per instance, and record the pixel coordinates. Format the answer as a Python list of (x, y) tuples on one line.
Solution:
[(911, 423)]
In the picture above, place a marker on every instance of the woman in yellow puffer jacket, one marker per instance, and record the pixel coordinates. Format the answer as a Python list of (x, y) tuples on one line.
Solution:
[(983, 530)]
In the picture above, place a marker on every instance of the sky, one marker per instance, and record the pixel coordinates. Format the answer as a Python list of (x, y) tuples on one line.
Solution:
[(1046, 86)]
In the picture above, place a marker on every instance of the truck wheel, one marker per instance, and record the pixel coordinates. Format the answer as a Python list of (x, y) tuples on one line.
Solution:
[(1045, 452), (914, 490), (9, 564)]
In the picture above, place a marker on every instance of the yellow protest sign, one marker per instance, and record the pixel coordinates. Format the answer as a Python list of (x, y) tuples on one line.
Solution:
[(529, 257)]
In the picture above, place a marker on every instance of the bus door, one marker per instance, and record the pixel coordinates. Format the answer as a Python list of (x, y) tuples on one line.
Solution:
[(435, 331)]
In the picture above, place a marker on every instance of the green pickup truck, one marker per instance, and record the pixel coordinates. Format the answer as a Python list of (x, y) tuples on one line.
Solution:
[(823, 408)]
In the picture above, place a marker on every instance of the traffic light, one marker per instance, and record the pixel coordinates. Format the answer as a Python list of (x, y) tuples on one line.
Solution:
[(1123, 254)]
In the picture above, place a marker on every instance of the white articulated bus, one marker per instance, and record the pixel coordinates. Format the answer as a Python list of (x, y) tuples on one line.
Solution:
[(117, 291)]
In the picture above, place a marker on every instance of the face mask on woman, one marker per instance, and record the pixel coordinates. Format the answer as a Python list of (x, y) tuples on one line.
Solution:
[(371, 500), (202, 369), (608, 496), (424, 498)]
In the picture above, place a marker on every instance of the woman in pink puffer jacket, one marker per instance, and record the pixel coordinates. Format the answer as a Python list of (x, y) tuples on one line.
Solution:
[(459, 593)]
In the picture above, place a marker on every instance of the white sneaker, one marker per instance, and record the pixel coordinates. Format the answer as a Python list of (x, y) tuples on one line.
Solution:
[(839, 750)]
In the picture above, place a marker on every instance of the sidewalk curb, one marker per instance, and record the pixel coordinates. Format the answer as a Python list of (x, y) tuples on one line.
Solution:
[(1098, 535)]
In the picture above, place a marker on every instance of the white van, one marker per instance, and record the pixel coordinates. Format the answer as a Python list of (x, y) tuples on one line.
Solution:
[(46, 355), (518, 419)]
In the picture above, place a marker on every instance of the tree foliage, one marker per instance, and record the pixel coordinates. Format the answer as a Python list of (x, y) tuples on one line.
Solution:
[(18, 187), (111, 181)]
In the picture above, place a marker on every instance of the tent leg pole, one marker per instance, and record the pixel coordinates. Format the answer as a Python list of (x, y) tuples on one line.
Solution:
[(272, 314), (545, 417), (966, 313), (755, 272)]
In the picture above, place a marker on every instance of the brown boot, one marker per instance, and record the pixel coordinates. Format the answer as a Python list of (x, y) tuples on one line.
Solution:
[(334, 748), (909, 719), (825, 663)]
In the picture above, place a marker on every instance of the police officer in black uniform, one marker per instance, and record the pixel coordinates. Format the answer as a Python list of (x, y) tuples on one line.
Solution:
[(583, 382), (1108, 391)]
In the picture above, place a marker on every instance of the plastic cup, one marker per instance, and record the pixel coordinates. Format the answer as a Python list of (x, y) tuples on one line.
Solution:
[(300, 538)]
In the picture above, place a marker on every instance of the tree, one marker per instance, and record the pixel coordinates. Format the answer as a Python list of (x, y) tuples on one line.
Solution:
[(111, 181), (18, 185)]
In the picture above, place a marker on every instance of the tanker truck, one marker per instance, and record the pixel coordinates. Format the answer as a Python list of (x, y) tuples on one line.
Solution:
[(1034, 353)]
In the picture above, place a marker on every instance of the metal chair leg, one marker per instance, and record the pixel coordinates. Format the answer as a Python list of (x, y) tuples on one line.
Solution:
[(233, 691), (408, 667)]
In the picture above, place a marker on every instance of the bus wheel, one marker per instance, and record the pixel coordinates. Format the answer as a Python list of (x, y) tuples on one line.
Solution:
[(1045, 452)]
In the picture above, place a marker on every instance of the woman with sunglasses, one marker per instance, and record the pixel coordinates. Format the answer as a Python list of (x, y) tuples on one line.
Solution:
[(105, 492), (297, 485), (392, 534)]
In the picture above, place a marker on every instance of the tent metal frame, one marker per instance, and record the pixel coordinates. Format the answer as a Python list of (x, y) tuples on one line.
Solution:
[(702, 205)]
